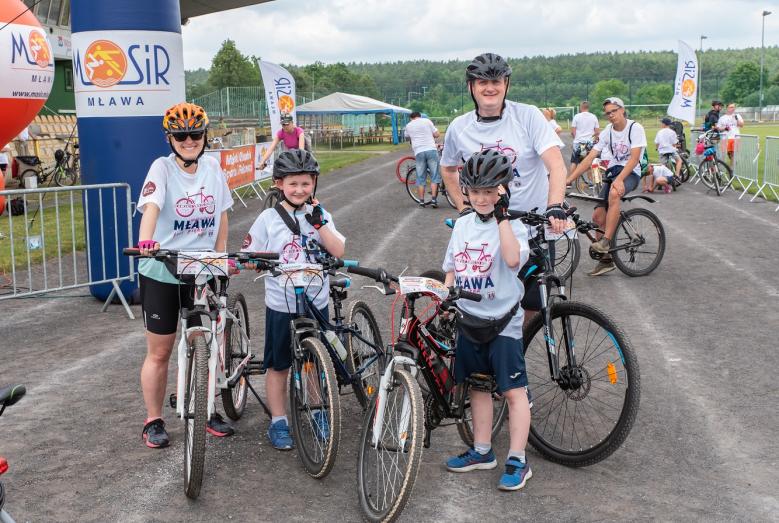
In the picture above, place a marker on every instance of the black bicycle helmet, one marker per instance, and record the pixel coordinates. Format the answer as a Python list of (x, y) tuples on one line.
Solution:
[(295, 161), (487, 66), (486, 169)]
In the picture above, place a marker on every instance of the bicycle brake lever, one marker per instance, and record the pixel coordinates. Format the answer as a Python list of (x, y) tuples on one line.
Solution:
[(384, 290)]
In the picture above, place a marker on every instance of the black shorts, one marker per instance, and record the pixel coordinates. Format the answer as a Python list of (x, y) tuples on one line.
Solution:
[(503, 358), (161, 303), (278, 339)]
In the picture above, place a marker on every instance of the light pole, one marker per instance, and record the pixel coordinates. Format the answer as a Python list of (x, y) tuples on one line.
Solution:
[(762, 56), (700, 60)]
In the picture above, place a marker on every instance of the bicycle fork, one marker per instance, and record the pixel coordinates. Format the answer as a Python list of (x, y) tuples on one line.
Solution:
[(385, 385), (551, 346)]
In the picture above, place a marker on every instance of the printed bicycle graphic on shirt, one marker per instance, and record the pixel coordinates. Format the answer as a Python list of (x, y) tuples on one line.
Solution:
[(186, 206), (507, 151), (480, 262)]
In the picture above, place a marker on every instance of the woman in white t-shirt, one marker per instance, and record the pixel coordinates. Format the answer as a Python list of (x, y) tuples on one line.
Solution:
[(184, 201)]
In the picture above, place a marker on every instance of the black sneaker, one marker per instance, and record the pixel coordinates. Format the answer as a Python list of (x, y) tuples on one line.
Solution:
[(218, 427), (154, 434), (434, 203)]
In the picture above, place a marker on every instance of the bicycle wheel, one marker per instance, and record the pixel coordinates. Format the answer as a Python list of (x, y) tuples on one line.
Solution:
[(724, 176), (65, 177), (446, 195), (640, 242), (584, 183), (567, 251), (271, 198), (411, 185), (235, 350), (30, 173), (684, 172), (584, 420), (465, 422), (386, 473), (195, 417), (707, 170), (315, 408), (403, 166), (367, 383)]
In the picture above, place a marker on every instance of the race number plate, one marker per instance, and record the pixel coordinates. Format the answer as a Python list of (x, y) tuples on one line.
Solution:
[(196, 262), (412, 284), (302, 274)]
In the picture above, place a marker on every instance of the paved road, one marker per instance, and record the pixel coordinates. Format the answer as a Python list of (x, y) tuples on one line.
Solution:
[(704, 446)]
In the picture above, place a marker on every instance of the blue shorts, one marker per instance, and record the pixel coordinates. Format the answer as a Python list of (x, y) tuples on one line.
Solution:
[(278, 340), (502, 358), (630, 182), (427, 165), (667, 157)]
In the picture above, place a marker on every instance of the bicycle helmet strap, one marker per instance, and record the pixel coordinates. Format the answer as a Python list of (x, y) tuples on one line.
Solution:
[(289, 221)]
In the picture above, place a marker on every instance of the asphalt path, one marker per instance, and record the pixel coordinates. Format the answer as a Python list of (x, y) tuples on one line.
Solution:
[(704, 445)]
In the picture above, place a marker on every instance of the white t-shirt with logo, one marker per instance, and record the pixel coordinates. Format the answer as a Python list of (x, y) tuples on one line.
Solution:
[(191, 207), (269, 233), (666, 140), (420, 132), (585, 124), (729, 124), (523, 134), (619, 145), (474, 256)]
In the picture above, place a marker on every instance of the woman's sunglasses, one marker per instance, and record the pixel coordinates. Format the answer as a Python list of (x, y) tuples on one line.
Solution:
[(195, 135)]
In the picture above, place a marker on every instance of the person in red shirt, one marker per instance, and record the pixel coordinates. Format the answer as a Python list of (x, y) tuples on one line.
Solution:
[(292, 136)]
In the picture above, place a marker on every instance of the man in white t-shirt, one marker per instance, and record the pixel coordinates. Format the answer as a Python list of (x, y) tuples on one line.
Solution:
[(625, 140), (584, 129), (666, 143), (731, 123), (422, 134)]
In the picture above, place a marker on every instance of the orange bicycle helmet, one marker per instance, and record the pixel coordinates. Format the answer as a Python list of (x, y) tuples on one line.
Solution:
[(185, 117)]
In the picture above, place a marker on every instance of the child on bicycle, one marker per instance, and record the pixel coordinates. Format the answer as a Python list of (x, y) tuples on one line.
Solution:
[(286, 229), (489, 340)]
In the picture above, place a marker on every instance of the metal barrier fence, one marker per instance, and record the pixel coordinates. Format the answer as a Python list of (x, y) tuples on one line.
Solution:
[(770, 169), (746, 153), (41, 247)]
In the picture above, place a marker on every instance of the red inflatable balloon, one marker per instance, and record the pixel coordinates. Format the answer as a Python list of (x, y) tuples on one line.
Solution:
[(26, 67)]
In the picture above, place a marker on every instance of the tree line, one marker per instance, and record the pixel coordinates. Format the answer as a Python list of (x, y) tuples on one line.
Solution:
[(438, 87)]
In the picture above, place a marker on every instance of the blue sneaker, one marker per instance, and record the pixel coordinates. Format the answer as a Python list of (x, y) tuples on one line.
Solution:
[(321, 425), (278, 434), (516, 475), (471, 460)]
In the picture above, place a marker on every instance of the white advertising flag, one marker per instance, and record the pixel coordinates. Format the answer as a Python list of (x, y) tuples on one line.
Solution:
[(686, 85), (279, 93)]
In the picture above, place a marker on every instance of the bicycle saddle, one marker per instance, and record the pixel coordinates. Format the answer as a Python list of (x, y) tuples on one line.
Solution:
[(11, 394)]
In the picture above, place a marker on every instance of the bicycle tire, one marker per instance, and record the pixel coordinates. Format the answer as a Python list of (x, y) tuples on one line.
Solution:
[(584, 183), (64, 177), (625, 259), (411, 187), (567, 252), (621, 368), (710, 174), (374, 507), (317, 459), (724, 176), (357, 351), (196, 417), (403, 166), (234, 399), (271, 198), (30, 172), (464, 422), (684, 172), (446, 195)]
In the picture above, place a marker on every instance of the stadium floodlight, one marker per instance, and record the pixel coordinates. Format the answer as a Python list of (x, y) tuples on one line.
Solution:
[(762, 57)]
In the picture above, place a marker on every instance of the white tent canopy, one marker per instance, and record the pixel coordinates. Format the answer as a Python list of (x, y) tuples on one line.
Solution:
[(352, 104), (349, 103)]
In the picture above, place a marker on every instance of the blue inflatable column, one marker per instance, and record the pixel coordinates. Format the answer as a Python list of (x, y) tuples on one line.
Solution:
[(128, 68)]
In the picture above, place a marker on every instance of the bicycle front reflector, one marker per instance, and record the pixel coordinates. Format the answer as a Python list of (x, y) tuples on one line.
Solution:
[(612, 370)]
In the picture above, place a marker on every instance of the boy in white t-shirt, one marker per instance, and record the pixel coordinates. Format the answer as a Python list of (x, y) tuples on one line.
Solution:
[(659, 176), (484, 255), (666, 142), (295, 173)]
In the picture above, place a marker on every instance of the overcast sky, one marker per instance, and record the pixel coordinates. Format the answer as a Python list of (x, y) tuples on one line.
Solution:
[(303, 31)]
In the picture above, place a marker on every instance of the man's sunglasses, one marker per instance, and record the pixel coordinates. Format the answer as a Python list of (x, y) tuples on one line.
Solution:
[(195, 135)]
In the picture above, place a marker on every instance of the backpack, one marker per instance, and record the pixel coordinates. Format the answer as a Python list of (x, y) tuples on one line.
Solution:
[(643, 161)]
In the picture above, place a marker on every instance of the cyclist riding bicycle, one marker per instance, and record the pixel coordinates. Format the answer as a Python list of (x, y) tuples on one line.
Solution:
[(280, 230), (489, 340), (626, 141), (184, 201), (518, 130), (292, 136)]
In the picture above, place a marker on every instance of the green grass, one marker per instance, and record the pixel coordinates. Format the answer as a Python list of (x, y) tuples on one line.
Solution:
[(330, 161), (32, 227)]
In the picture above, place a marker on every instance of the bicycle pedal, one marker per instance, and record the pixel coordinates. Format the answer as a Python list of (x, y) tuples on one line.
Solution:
[(172, 400), (254, 368)]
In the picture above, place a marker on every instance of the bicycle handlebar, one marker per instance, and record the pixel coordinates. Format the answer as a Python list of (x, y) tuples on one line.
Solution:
[(380, 275), (172, 253)]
